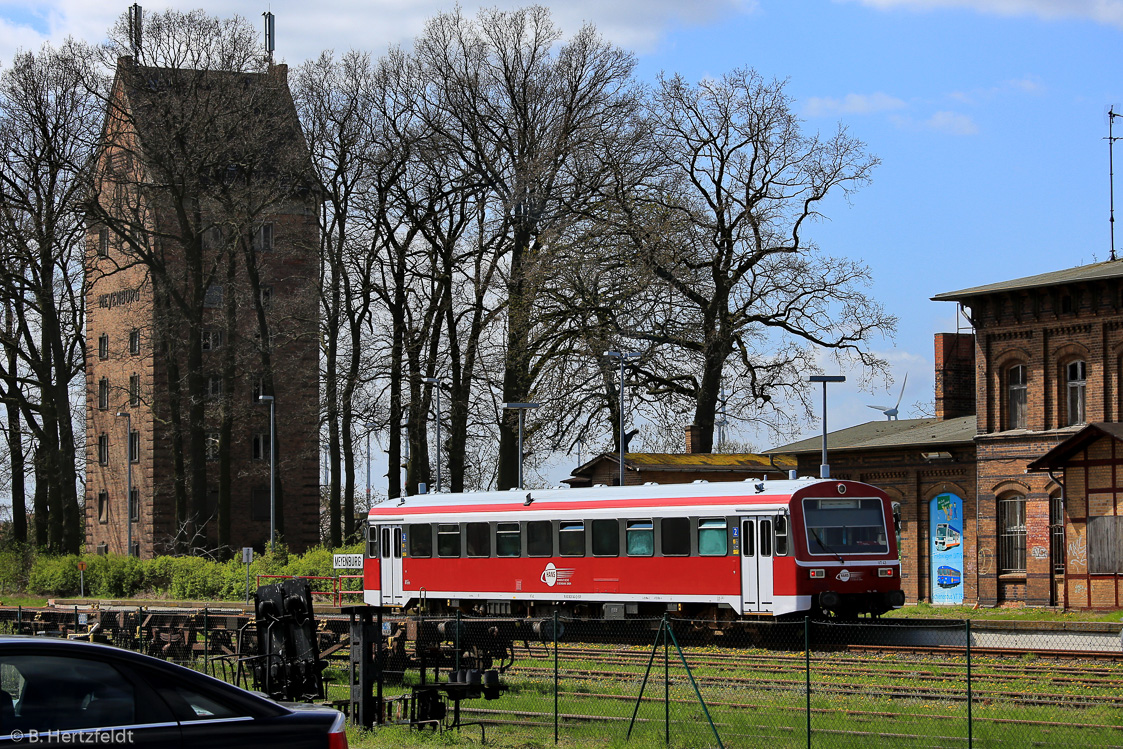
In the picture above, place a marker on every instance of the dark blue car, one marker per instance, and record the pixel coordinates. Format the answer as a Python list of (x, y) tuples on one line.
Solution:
[(58, 692)]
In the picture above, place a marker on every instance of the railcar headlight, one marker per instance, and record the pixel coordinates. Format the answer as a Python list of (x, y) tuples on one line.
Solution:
[(818, 574), (885, 572)]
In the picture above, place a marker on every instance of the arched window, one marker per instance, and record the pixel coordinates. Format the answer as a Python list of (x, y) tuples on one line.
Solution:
[(1016, 377), (1012, 534), (1076, 378)]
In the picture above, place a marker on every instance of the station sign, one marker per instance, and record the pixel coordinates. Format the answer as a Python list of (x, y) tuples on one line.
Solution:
[(347, 561)]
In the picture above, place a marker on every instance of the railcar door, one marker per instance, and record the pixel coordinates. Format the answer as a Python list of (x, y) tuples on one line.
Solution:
[(390, 543), (756, 563)]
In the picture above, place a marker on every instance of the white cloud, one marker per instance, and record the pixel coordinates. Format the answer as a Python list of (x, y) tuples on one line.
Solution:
[(951, 123), (1108, 12), (948, 123), (851, 104), (304, 29), (1025, 85)]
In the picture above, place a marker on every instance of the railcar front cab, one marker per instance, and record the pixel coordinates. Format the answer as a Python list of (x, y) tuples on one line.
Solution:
[(847, 562)]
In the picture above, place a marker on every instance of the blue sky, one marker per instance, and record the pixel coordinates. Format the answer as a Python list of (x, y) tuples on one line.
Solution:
[(988, 116)]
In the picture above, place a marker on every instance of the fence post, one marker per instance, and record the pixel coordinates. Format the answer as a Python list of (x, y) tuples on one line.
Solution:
[(807, 672), (457, 642), (555, 631), (970, 723), (666, 682), (206, 642)]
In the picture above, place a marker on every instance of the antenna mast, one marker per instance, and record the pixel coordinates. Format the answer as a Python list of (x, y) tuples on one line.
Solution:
[(270, 36), (1111, 115), (135, 15)]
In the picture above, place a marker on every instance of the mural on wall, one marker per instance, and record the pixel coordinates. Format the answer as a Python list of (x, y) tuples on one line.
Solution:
[(946, 548)]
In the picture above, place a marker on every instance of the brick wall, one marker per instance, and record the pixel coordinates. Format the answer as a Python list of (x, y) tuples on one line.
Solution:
[(1043, 329), (955, 375)]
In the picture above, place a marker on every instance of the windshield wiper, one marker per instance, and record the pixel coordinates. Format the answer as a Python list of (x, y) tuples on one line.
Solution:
[(824, 547)]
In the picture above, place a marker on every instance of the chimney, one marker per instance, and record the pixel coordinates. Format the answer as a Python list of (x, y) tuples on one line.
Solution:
[(955, 375), (693, 439)]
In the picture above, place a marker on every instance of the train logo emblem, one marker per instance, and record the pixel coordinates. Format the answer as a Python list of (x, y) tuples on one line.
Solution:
[(554, 576), (844, 575)]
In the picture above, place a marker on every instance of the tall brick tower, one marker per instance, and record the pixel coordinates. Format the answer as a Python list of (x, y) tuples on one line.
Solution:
[(203, 278)]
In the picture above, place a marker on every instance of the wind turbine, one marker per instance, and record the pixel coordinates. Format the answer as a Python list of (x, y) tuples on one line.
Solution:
[(891, 413)]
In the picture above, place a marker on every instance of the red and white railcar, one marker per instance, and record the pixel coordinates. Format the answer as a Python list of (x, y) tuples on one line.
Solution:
[(745, 548)]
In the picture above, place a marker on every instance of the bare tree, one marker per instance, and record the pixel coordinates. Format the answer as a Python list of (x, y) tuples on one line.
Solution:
[(732, 288), (47, 120), (528, 117)]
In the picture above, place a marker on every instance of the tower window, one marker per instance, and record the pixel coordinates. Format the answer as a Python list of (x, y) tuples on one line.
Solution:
[(103, 394), (1076, 381), (103, 346), (263, 238), (261, 446), (1016, 397)]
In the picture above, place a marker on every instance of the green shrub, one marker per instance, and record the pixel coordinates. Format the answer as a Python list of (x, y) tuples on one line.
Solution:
[(115, 576), (54, 576), (190, 578), (15, 567)]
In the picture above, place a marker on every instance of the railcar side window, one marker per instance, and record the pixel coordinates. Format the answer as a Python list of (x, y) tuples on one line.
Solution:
[(448, 540), (606, 538), (640, 538), (765, 538), (571, 538), (508, 540), (748, 538), (372, 542), (780, 524), (420, 541), (845, 526), (539, 538), (674, 533), (385, 542), (478, 540), (713, 541)]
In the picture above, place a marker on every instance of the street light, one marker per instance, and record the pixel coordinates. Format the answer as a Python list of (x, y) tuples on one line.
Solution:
[(622, 355), (369, 427), (272, 470), (437, 382), (824, 469), (129, 479), (521, 408)]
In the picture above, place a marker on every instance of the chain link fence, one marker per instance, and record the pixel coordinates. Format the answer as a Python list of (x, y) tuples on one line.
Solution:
[(682, 683)]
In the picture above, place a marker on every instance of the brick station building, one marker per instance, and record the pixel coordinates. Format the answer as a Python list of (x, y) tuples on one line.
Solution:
[(131, 377), (1033, 393)]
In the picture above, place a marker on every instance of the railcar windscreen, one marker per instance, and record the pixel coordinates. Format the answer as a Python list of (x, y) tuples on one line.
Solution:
[(845, 526)]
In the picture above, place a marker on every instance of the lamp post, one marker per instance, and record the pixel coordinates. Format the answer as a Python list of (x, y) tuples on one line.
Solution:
[(521, 408), (824, 469), (272, 470), (622, 356), (436, 382), (368, 470), (128, 479)]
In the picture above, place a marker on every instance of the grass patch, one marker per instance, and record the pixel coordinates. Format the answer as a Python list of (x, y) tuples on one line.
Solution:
[(924, 610)]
